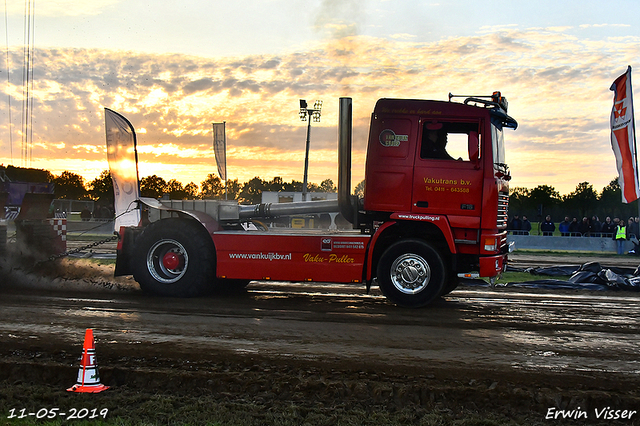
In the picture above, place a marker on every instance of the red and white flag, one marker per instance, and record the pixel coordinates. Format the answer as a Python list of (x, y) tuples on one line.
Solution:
[(623, 137)]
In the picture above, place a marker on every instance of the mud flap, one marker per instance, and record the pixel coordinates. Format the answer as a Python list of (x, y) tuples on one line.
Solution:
[(125, 251)]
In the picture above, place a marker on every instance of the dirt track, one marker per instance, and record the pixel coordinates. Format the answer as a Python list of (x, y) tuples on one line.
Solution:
[(320, 354)]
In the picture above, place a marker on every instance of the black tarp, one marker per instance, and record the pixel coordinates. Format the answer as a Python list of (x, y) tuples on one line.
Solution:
[(589, 276)]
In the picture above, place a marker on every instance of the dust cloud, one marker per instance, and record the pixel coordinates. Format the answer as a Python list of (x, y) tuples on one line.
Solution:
[(61, 274)]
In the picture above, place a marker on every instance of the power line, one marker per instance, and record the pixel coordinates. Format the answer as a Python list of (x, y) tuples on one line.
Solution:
[(24, 79), (6, 27), (33, 39), (27, 81)]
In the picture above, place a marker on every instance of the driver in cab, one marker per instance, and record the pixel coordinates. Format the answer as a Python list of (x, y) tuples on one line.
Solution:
[(434, 142)]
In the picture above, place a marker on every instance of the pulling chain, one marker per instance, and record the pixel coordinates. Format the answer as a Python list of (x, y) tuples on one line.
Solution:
[(79, 249)]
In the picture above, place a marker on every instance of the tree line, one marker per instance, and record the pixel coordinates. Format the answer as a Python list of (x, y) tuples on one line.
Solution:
[(584, 201), (69, 185), (534, 203)]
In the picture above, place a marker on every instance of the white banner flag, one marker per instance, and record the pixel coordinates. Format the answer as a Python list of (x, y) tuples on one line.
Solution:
[(220, 148), (623, 139), (123, 166)]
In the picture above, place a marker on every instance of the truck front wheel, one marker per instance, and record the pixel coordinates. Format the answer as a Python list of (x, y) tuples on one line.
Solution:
[(174, 257), (411, 273)]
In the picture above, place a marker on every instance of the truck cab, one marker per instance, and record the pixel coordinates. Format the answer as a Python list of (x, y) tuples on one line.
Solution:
[(436, 170)]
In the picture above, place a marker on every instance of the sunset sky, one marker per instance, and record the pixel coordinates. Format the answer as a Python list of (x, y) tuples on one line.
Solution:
[(173, 68)]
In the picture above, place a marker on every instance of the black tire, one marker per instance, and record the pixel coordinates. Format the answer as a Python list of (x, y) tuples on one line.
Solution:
[(451, 284), (231, 286), (411, 273), (180, 242)]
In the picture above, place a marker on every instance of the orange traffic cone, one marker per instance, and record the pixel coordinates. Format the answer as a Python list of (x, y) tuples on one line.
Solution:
[(88, 377)]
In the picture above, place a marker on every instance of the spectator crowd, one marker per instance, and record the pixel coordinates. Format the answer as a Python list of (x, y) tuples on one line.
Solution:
[(573, 228), (616, 229)]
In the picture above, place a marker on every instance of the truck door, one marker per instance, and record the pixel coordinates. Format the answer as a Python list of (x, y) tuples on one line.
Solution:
[(448, 171), (390, 159)]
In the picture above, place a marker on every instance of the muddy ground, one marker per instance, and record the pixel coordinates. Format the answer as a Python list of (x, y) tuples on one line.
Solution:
[(318, 354)]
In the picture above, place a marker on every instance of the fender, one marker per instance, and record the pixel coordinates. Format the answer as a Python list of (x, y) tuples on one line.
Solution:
[(127, 235), (209, 223), (372, 244), (438, 220)]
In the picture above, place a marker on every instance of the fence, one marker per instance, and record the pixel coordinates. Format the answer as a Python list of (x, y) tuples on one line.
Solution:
[(566, 234), (595, 244)]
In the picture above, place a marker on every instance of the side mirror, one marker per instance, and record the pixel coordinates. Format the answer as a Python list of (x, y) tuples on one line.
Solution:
[(474, 147)]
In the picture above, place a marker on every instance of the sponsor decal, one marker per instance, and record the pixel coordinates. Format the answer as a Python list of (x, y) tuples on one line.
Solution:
[(260, 256), (329, 244), (388, 138), (332, 258), (409, 111), (433, 185), (419, 217), (357, 245)]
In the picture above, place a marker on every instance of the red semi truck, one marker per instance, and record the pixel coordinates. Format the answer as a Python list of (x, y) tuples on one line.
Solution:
[(434, 210)]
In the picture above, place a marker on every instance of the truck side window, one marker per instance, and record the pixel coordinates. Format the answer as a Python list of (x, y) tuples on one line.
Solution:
[(446, 141), (434, 143)]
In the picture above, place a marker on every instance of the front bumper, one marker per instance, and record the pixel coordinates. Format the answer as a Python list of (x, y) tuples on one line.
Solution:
[(491, 266)]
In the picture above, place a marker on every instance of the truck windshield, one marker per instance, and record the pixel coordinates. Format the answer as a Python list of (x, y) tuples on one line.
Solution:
[(497, 141), (499, 120)]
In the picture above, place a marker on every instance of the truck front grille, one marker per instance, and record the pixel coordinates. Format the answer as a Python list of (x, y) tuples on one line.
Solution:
[(503, 205)]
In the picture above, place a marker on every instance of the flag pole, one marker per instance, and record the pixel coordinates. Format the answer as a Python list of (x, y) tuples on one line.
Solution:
[(224, 125)]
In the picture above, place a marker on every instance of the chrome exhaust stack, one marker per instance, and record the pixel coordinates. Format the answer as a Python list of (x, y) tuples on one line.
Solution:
[(268, 210), (345, 203), (345, 142)]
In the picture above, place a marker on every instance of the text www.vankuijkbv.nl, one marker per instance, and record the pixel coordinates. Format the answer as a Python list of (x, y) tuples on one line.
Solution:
[(260, 256)]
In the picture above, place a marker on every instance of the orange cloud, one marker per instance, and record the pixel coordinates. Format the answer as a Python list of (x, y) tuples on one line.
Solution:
[(557, 85)]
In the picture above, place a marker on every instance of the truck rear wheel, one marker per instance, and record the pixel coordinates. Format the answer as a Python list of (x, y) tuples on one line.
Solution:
[(174, 258), (231, 286), (411, 273)]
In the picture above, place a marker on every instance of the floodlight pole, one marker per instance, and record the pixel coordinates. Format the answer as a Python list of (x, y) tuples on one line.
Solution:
[(306, 114), (306, 162)]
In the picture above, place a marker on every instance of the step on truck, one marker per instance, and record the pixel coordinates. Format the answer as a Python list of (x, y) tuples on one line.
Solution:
[(434, 211)]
